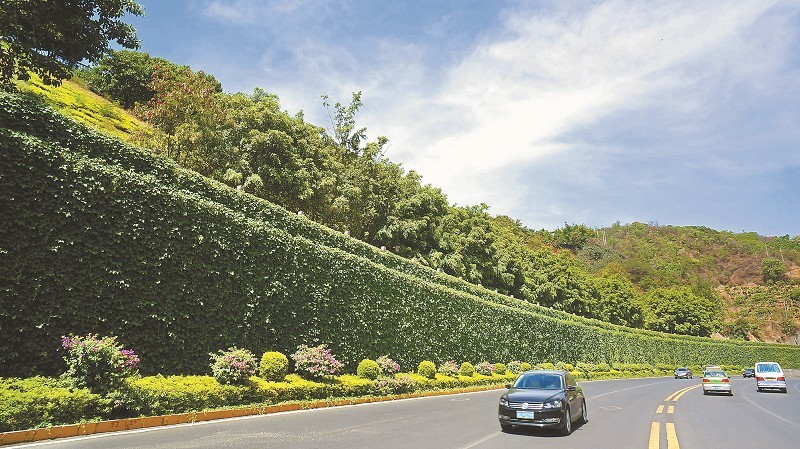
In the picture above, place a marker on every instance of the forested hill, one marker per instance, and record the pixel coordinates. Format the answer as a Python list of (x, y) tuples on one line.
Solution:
[(683, 280), (756, 276)]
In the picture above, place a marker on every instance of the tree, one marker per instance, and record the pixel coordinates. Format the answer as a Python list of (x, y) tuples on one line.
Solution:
[(344, 132), (125, 76), (680, 311), (191, 119), (50, 37), (773, 270), (617, 301)]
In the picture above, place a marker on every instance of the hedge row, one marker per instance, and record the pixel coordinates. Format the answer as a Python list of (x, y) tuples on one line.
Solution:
[(40, 401), (28, 115), (91, 246)]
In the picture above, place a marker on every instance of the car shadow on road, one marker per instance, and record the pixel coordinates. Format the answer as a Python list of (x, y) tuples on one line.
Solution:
[(541, 432)]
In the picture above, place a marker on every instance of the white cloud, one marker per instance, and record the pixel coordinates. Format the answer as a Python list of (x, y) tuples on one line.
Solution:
[(578, 96), (520, 95)]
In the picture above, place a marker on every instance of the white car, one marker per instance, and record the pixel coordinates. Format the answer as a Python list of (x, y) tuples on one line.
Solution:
[(770, 375)]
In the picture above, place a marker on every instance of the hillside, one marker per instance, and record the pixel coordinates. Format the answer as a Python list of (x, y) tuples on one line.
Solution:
[(756, 307), (624, 274), (103, 237)]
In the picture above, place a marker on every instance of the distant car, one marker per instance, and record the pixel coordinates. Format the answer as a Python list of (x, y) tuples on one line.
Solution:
[(770, 375), (716, 382), (749, 372), (543, 399), (683, 373)]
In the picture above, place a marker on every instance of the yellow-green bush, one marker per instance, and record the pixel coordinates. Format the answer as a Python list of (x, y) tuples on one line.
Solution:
[(40, 401), (368, 369), (273, 366), (427, 369)]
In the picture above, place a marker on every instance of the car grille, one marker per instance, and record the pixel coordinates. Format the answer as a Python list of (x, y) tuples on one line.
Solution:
[(535, 406)]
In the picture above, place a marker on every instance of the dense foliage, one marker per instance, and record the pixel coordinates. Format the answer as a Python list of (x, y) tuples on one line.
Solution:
[(50, 37), (104, 238)]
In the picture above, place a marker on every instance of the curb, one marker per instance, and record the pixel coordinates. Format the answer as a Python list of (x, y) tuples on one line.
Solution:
[(116, 425)]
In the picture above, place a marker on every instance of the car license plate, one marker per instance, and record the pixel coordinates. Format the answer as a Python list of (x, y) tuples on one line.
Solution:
[(525, 415), (770, 378)]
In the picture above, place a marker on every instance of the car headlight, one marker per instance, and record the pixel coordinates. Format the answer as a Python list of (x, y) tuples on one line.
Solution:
[(553, 404), (504, 402)]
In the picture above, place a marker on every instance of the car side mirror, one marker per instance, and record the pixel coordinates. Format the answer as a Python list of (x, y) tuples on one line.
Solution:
[(508, 386), (572, 388)]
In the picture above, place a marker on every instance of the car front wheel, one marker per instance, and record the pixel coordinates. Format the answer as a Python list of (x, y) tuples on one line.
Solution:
[(584, 413), (566, 429)]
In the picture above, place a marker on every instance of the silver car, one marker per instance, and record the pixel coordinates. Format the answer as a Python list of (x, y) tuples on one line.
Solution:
[(770, 375), (716, 382)]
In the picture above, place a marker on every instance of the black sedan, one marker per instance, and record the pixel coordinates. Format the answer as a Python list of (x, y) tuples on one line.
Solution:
[(550, 399)]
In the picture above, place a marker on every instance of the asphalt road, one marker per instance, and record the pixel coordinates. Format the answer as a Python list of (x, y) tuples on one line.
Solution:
[(640, 413)]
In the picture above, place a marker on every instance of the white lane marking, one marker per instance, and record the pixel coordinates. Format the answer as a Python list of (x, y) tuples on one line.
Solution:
[(624, 389), (771, 413), (610, 407), (475, 443)]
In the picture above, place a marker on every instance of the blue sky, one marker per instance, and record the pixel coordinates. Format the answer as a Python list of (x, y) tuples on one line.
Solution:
[(592, 112)]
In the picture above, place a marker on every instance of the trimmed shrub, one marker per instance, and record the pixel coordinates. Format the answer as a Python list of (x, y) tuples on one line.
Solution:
[(43, 401), (525, 366), (368, 369), (449, 368), (499, 368), (234, 366), (388, 366), (485, 368), (99, 364), (427, 369), (274, 366), (545, 366), (317, 361), (466, 369)]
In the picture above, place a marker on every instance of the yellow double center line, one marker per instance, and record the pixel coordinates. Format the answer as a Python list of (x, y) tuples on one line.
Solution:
[(655, 427)]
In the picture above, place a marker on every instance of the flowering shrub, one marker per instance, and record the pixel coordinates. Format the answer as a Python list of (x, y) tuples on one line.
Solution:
[(387, 365), (514, 366), (274, 366), (485, 368), (466, 369), (449, 368), (317, 361), (368, 369), (234, 366), (98, 363), (390, 385)]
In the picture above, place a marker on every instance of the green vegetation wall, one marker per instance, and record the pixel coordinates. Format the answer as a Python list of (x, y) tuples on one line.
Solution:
[(88, 245)]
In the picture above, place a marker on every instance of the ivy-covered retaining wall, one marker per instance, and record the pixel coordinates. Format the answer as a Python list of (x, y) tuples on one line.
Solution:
[(107, 239)]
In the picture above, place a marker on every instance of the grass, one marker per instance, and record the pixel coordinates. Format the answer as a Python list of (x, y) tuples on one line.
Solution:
[(74, 99)]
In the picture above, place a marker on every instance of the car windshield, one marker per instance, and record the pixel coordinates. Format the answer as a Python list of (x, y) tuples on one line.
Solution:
[(715, 374), (682, 369), (768, 368), (538, 381)]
